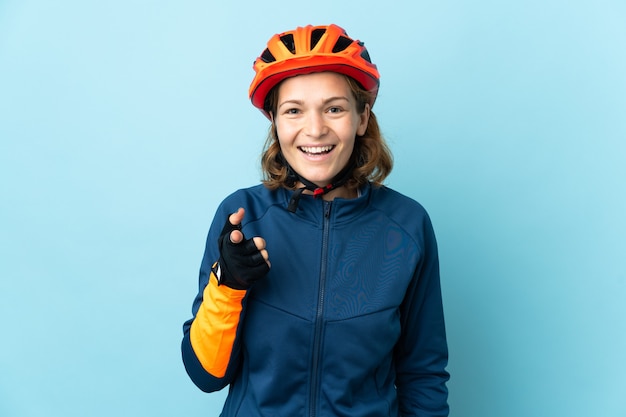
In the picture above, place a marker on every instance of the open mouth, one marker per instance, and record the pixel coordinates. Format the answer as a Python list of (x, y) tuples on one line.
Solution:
[(316, 150)]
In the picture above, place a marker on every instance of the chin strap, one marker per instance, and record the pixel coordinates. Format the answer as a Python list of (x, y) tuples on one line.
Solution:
[(340, 179)]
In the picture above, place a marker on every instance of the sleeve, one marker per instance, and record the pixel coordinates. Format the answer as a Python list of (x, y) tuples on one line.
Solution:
[(211, 339), (422, 351)]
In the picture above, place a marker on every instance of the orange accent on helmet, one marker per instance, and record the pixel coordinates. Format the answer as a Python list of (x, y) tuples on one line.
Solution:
[(311, 49)]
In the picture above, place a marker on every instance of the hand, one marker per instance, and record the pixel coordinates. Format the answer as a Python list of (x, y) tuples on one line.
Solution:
[(242, 261)]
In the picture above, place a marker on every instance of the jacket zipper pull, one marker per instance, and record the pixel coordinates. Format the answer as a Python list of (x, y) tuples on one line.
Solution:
[(327, 205)]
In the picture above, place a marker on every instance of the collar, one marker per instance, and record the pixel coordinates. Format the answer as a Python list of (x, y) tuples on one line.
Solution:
[(310, 208)]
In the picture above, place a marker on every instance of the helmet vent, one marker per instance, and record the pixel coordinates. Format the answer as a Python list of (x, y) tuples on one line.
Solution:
[(364, 54), (267, 56), (316, 35), (341, 44), (289, 42)]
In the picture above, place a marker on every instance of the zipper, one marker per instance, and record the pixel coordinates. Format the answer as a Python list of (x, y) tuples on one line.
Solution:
[(319, 315)]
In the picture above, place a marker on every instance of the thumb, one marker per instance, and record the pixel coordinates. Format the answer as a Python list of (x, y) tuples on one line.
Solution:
[(237, 217)]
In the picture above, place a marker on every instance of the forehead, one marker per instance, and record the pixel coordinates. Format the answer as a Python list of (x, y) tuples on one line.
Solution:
[(314, 85)]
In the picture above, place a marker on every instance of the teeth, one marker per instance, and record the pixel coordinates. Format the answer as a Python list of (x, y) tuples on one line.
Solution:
[(316, 149)]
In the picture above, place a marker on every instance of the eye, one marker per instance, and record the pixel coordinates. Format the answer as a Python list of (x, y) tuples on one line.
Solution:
[(292, 110), (335, 109)]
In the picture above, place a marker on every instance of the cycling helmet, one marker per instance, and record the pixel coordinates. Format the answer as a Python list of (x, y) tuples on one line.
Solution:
[(311, 49)]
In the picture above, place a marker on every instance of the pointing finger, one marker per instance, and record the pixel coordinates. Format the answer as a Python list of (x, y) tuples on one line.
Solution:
[(236, 236)]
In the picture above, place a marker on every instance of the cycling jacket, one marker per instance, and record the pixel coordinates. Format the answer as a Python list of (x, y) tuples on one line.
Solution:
[(348, 322)]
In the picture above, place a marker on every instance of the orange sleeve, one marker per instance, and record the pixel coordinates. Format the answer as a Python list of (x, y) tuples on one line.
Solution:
[(215, 326)]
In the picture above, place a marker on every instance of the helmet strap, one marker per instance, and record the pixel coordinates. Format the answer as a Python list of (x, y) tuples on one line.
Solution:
[(293, 177)]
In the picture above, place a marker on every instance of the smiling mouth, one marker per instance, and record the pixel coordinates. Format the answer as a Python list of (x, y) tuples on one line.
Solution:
[(316, 150)]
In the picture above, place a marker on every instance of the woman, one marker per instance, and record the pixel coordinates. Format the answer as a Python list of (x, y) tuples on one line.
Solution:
[(346, 319)]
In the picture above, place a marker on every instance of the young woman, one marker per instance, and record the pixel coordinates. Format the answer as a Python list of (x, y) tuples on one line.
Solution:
[(319, 289)]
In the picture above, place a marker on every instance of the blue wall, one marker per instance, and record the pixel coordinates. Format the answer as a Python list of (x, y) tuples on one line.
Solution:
[(123, 124)]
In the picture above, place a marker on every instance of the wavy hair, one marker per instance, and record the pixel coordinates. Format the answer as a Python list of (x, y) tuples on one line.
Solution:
[(371, 157)]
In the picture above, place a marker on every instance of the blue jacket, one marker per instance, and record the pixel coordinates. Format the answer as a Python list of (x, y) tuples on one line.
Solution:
[(349, 320)]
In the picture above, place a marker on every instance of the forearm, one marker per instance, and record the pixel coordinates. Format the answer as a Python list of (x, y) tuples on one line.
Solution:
[(210, 346)]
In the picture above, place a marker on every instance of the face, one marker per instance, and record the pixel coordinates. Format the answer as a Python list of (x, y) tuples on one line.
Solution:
[(317, 122)]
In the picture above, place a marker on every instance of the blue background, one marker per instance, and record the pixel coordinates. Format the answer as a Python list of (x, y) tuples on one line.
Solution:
[(124, 123)]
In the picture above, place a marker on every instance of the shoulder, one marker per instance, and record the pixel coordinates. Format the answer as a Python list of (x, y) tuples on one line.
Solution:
[(406, 212), (253, 193), (395, 203), (256, 200)]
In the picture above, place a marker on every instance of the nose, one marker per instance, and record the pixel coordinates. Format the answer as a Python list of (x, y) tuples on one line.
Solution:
[(315, 125)]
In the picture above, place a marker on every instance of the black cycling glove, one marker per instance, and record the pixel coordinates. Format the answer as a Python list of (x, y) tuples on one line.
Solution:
[(240, 264)]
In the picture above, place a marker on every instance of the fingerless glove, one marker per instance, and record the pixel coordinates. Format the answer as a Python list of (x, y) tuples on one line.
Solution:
[(240, 264)]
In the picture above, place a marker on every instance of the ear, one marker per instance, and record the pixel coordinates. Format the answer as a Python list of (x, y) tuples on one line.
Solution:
[(364, 119)]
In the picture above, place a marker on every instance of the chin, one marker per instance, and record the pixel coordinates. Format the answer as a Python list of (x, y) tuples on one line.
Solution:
[(321, 181)]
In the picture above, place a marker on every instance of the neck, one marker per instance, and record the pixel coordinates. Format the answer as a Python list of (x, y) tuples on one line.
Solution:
[(336, 188), (341, 192)]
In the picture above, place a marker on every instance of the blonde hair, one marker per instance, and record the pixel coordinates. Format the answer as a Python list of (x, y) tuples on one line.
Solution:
[(371, 157)]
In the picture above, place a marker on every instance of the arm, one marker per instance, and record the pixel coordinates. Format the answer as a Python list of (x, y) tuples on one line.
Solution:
[(210, 345), (211, 342), (422, 353)]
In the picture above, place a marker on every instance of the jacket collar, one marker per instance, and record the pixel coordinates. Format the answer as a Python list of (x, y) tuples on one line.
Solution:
[(312, 209)]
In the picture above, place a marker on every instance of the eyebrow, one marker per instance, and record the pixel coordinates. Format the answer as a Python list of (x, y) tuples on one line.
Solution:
[(301, 102)]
